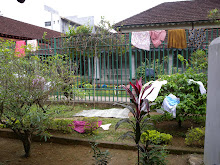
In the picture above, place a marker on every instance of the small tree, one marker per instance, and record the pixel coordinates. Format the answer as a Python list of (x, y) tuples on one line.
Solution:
[(25, 84), (140, 111)]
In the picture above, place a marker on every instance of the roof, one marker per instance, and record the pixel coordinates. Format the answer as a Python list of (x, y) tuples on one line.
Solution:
[(68, 20), (10, 28), (173, 12)]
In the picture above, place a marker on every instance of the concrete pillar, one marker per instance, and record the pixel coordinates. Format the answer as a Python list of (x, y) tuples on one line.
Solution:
[(96, 68), (89, 66), (212, 134), (133, 66), (170, 63)]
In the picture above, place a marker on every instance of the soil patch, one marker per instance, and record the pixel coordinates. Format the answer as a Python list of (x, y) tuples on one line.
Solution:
[(172, 127), (56, 154)]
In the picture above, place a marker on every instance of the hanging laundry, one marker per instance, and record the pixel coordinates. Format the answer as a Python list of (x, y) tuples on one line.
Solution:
[(141, 40), (177, 39), (201, 86), (196, 37), (157, 36), (169, 104), (19, 48), (33, 44), (156, 85)]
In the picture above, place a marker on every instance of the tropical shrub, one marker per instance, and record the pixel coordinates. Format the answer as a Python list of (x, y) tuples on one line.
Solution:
[(195, 136), (140, 110), (156, 137), (192, 102)]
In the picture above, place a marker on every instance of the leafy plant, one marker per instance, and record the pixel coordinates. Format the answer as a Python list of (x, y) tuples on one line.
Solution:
[(195, 136), (199, 60), (192, 102), (155, 156), (139, 110), (79, 30), (214, 14), (60, 125), (146, 68), (101, 158), (156, 137), (26, 82)]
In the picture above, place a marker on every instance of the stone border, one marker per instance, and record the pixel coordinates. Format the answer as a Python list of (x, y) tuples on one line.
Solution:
[(6, 133)]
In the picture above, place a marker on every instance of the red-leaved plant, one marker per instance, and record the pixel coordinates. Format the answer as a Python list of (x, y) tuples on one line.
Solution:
[(140, 108)]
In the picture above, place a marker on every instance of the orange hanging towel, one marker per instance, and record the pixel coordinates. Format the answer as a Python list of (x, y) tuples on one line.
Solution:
[(177, 39)]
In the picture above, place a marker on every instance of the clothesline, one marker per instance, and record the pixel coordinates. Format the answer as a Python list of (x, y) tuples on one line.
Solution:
[(176, 38)]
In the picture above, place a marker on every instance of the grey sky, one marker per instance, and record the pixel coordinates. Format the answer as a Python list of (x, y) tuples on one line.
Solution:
[(32, 11)]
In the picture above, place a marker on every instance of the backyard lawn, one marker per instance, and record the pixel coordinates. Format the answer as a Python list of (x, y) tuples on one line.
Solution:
[(73, 154)]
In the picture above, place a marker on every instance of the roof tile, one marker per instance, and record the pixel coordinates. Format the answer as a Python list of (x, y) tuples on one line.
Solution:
[(16, 28)]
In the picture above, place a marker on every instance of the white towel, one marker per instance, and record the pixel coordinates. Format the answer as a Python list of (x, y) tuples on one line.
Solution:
[(106, 126), (141, 40), (114, 112), (156, 85), (33, 44), (201, 86)]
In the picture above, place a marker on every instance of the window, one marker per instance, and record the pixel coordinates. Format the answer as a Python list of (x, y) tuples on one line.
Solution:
[(48, 23)]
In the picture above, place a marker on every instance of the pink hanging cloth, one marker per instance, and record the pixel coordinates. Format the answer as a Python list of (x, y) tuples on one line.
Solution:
[(157, 36), (141, 40), (19, 48)]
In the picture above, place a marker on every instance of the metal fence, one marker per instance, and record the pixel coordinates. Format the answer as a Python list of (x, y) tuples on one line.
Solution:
[(104, 62)]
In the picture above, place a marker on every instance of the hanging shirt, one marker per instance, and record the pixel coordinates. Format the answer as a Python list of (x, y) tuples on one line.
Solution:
[(33, 44), (141, 40), (177, 39), (196, 37), (156, 85), (157, 36), (170, 103), (19, 48)]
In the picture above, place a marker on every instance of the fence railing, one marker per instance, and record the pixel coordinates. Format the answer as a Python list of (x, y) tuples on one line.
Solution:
[(102, 63)]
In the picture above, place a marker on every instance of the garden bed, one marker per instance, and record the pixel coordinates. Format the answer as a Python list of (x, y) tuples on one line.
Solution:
[(63, 134)]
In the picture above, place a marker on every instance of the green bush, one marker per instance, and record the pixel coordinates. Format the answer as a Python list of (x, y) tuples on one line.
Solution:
[(155, 156), (91, 125), (157, 66), (192, 103), (60, 125), (156, 137), (2, 126), (195, 136)]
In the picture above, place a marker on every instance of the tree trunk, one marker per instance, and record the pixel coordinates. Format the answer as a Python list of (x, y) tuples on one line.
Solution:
[(26, 139), (179, 123)]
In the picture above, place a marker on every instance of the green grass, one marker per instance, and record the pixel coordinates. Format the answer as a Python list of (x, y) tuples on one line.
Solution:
[(63, 115)]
